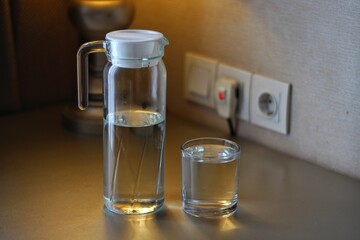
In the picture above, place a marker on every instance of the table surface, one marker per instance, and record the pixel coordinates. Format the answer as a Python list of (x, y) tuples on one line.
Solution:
[(51, 188)]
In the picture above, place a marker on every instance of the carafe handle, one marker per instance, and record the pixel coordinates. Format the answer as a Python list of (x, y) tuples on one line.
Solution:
[(83, 70)]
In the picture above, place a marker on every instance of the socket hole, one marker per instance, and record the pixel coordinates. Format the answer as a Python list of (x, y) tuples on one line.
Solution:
[(267, 104)]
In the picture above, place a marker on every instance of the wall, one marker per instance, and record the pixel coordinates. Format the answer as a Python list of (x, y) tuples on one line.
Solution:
[(314, 45), (38, 46)]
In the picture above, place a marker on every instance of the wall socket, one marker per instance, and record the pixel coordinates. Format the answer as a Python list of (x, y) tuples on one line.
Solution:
[(262, 101), (270, 104)]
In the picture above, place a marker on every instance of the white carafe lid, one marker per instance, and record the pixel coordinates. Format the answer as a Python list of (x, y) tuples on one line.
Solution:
[(135, 48)]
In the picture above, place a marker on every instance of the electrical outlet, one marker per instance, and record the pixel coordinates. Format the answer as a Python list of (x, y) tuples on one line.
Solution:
[(243, 79), (200, 75), (270, 104)]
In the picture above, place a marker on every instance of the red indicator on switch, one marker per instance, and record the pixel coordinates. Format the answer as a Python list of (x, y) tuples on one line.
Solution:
[(221, 95)]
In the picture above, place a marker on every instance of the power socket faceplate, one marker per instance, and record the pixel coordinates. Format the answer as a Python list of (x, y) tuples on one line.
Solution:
[(270, 104), (244, 80)]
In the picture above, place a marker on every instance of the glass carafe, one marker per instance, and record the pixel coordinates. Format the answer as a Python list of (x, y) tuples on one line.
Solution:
[(134, 90)]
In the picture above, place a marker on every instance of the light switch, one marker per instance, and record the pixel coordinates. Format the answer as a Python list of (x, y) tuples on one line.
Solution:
[(200, 73), (199, 81)]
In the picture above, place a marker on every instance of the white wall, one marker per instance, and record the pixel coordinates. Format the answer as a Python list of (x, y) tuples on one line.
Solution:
[(314, 45)]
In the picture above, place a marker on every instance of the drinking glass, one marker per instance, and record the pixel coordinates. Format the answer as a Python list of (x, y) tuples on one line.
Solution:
[(210, 177)]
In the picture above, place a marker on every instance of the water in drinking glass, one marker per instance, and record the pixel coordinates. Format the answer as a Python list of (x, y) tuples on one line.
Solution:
[(210, 180)]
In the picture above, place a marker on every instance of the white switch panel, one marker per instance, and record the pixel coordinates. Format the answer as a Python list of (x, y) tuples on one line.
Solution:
[(244, 82), (270, 104), (200, 75)]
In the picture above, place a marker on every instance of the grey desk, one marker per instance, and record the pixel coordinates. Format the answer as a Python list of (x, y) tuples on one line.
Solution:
[(51, 188)]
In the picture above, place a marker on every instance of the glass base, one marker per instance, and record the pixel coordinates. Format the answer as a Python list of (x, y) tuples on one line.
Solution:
[(210, 209), (135, 207)]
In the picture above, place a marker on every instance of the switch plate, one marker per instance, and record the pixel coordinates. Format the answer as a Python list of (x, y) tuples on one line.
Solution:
[(200, 75), (270, 104), (244, 83)]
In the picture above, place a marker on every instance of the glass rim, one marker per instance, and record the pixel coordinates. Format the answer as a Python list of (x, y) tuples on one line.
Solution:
[(214, 140)]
